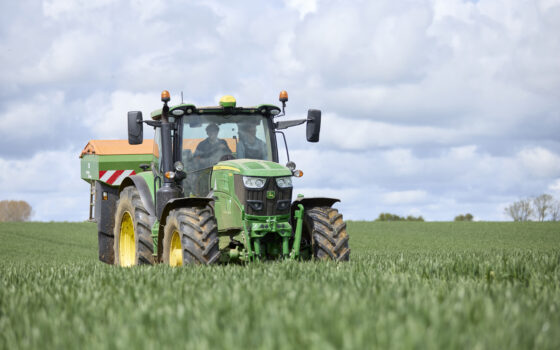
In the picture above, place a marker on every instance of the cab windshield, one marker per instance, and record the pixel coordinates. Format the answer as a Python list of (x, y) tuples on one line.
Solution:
[(210, 138)]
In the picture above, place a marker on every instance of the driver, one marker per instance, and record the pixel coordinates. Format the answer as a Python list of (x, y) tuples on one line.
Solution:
[(250, 146), (210, 150)]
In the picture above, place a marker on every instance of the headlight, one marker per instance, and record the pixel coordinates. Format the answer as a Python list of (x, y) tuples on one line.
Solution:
[(254, 182), (179, 166), (284, 182)]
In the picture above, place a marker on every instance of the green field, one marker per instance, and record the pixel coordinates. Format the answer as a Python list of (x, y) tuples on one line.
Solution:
[(408, 285)]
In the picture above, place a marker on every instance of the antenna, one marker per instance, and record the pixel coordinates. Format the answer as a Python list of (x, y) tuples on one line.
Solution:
[(182, 97)]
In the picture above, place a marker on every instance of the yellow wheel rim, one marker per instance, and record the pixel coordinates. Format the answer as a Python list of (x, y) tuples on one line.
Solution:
[(127, 248), (176, 250)]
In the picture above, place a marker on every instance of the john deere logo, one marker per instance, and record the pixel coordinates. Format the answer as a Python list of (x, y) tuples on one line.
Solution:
[(270, 194)]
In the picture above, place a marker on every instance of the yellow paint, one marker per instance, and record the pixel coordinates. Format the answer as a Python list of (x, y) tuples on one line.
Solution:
[(176, 250), (127, 246), (225, 167), (227, 99)]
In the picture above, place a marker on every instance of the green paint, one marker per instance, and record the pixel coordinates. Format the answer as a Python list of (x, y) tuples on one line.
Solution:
[(257, 244), (89, 165), (227, 208), (247, 241), (298, 215), (262, 225), (254, 167), (92, 164), (256, 228), (155, 231)]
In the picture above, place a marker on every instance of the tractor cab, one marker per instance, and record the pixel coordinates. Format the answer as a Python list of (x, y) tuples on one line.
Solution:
[(205, 136)]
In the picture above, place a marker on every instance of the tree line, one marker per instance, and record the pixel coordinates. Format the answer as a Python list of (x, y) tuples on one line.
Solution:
[(15, 210), (540, 208), (394, 217)]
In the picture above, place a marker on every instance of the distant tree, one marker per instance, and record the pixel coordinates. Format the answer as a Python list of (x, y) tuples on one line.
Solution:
[(388, 217), (555, 211), (543, 205), (14, 210), (466, 217), (394, 217), (414, 218), (521, 210)]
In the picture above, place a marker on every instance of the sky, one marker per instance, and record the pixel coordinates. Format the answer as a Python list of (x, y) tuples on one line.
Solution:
[(433, 108)]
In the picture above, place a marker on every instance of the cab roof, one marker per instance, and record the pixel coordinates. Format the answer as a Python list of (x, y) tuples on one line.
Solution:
[(189, 109)]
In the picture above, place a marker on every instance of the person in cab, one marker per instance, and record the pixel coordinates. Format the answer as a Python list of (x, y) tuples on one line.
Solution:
[(250, 146), (212, 149)]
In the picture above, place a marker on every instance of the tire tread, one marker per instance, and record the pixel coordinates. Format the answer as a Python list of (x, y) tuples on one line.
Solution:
[(328, 231)]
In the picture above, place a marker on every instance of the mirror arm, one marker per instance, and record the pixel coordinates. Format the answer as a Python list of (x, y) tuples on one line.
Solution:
[(288, 124), (154, 123)]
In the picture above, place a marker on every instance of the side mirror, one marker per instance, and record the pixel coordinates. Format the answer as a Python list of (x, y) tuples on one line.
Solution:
[(313, 125), (135, 128)]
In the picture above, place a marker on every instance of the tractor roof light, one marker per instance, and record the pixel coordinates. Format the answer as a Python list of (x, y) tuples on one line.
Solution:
[(165, 96), (297, 173), (283, 96), (228, 101)]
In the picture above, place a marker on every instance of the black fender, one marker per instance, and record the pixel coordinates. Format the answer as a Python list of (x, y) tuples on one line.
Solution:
[(105, 218), (145, 195), (174, 204), (309, 202)]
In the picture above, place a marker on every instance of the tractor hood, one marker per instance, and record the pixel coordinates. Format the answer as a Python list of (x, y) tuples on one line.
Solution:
[(254, 167)]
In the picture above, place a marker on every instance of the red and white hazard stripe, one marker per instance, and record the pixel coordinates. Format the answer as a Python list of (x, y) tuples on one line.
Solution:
[(114, 177)]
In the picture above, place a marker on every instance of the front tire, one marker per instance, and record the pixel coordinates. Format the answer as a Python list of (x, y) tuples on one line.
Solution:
[(133, 243), (191, 237), (329, 239)]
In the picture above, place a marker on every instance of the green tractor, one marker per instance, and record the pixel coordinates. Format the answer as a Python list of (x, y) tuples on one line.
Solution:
[(214, 192)]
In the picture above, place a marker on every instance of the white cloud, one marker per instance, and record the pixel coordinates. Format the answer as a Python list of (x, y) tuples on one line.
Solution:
[(372, 43), (106, 114), (540, 162), (304, 7), (57, 8), (73, 56), (39, 173), (32, 118), (50, 182), (554, 187), (405, 197), (354, 134)]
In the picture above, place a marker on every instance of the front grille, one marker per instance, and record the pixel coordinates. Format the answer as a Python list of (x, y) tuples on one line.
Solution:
[(256, 201)]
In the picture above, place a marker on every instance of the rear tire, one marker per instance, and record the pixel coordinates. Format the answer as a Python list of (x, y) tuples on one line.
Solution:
[(133, 243), (191, 237), (329, 239)]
